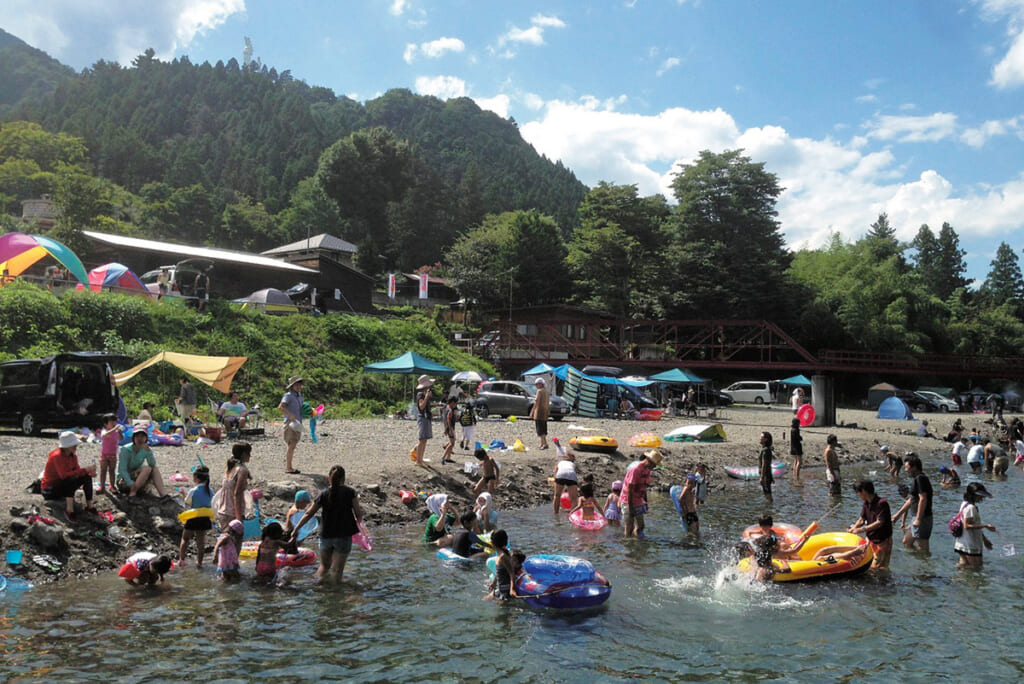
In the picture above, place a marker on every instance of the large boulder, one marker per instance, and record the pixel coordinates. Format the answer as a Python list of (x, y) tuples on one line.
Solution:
[(47, 536)]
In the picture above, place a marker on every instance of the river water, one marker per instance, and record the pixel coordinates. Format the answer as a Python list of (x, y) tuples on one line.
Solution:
[(674, 612)]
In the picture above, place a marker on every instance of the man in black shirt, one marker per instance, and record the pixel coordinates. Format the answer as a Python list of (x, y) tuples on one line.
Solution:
[(919, 503)]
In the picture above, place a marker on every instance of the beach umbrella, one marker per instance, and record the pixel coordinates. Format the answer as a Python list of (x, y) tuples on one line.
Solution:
[(19, 251), (467, 376), (114, 276)]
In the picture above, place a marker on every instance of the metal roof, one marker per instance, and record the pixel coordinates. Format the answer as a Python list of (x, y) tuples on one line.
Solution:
[(323, 241), (193, 251)]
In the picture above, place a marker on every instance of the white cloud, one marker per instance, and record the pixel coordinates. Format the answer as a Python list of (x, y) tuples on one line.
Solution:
[(497, 104), (1008, 71), (866, 99), (670, 63), (547, 21), (397, 7), (81, 32), (533, 35), (828, 185), (929, 128), (976, 137), (432, 49), (444, 87)]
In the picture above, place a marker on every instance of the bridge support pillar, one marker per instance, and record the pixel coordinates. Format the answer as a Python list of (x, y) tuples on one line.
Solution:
[(824, 401)]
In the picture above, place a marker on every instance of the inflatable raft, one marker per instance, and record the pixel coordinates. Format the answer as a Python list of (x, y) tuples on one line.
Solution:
[(645, 440), (791, 534), (809, 569), (562, 582), (752, 472), (599, 443), (303, 557), (649, 414)]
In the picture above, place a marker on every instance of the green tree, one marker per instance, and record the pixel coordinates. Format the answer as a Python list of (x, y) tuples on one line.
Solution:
[(881, 238), (26, 140), (1004, 284), (539, 258), (80, 200), (951, 273), (480, 262), (311, 211), (247, 226), (729, 254)]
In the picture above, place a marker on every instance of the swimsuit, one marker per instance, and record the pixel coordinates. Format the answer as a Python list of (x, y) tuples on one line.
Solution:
[(612, 512), (227, 556)]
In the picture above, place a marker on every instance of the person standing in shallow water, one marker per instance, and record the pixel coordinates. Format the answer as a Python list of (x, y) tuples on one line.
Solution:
[(875, 523), (796, 447), (764, 461), (918, 504), (832, 465)]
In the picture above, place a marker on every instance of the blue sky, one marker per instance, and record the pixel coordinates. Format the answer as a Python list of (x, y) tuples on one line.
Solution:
[(914, 108)]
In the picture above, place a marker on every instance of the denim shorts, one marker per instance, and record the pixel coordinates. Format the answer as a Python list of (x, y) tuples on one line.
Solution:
[(339, 544)]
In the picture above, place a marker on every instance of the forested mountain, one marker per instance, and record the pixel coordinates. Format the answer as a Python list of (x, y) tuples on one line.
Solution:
[(26, 73), (257, 133)]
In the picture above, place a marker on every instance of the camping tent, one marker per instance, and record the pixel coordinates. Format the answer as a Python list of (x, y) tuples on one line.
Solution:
[(215, 371), (409, 363), (877, 393), (697, 433), (268, 300), (19, 251), (895, 408), (117, 277), (678, 376)]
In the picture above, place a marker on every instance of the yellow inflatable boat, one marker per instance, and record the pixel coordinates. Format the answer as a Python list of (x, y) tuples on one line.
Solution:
[(599, 443), (825, 546)]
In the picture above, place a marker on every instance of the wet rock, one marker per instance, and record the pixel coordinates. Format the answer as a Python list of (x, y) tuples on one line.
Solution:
[(47, 536), (18, 525), (281, 490)]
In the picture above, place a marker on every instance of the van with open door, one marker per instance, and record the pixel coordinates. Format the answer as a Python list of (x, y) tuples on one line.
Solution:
[(60, 391)]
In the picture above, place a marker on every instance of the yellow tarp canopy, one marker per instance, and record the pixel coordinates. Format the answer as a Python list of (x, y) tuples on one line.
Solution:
[(215, 371)]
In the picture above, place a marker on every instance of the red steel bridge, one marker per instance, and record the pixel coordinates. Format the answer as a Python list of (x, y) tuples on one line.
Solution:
[(719, 344)]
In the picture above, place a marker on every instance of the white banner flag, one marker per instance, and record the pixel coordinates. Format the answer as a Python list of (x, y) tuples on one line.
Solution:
[(391, 286), (423, 285)]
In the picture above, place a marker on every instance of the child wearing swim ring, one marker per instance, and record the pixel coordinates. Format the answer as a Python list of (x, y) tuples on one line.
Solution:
[(199, 496), (611, 505), (226, 552), (502, 587), (586, 502), (145, 567), (271, 543), (302, 501)]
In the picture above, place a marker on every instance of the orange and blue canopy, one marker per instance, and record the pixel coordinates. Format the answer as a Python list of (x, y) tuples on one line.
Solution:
[(19, 251)]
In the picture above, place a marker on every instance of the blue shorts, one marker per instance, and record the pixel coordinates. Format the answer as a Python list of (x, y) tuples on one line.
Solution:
[(924, 530), (339, 544), (640, 510)]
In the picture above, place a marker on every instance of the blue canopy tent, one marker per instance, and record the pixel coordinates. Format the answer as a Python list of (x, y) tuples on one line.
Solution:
[(678, 376), (539, 369), (409, 363), (796, 381)]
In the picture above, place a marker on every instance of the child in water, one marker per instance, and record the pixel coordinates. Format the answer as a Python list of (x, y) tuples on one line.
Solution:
[(502, 587), (110, 437), (272, 542), (199, 496), (226, 552), (586, 503), (145, 567), (796, 447), (302, 501), (485, 513), (612, 512)]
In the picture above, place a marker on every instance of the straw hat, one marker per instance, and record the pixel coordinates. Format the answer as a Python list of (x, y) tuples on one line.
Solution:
[(654, 456), (291, 381), (424, 382), (67, 440)]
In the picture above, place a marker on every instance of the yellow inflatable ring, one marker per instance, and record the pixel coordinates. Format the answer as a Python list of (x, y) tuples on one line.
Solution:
[(191, 513)]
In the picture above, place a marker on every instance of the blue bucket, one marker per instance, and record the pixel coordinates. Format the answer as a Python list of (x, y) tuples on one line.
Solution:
[(13, 557)]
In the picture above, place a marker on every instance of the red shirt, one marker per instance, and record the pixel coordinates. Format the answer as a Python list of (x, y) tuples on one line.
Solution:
[(61, 467), (634, 484)]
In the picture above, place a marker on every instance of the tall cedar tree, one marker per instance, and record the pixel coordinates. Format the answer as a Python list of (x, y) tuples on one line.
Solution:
[(730, 256), (1004, 284)]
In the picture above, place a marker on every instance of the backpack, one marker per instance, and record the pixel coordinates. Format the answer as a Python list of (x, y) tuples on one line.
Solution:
[(956, 523)]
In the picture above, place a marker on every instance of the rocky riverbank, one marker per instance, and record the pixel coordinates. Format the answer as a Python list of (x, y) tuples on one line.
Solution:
[(375, 454)]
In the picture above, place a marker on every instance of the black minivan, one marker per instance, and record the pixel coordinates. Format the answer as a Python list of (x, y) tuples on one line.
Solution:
[(60, 391)]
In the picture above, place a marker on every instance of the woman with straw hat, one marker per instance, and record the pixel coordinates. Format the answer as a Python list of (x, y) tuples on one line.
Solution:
[(424, 429), (291, 407)]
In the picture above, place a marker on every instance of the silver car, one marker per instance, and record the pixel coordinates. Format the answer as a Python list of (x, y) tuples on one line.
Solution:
[(510, 398)]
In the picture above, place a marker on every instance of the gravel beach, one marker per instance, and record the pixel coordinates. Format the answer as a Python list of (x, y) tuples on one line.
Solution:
[(375, 454)]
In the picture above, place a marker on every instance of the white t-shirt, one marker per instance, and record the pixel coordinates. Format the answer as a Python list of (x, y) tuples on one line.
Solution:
[(566, 471), (960, 449), (233, 410), (976, 454), (971, 540), (1019, 446)]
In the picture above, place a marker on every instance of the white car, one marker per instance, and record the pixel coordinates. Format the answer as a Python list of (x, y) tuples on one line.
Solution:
[(945, 404), (749, 392)]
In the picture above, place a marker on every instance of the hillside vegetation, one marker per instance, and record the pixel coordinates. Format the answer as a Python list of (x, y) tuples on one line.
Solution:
[(328, 351)]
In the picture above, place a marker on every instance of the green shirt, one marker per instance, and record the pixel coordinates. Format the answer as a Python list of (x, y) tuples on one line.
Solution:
[(128, 461)]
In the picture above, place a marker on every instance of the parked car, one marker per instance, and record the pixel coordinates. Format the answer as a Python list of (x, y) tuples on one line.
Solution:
[(750, 392), (64, 390), (512, 398), (945, 404), (917, 401), (181, 278)]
